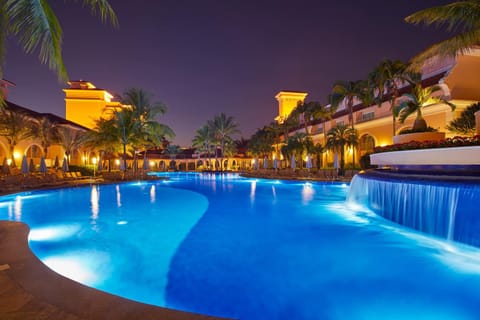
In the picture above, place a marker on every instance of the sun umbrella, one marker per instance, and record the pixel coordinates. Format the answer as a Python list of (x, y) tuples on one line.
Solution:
[(24, 167), (275, 164), (255, 164), (309, 162), (43, 165), (56, 164), (292, 162), (5, 166), (65, 165), (265, 163), (122, 165), (31, 165)]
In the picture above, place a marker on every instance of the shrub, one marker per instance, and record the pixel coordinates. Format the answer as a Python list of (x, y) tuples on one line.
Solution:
[(428, 129), (447, 143)]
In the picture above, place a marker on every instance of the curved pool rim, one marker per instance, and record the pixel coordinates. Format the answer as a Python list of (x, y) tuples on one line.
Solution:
[(28, 276)]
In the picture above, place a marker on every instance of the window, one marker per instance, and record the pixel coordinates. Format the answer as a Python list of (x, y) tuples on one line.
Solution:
[(34, 152), (368, 116)]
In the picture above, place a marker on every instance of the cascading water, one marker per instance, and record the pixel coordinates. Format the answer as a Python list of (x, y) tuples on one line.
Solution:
[(445, 208)]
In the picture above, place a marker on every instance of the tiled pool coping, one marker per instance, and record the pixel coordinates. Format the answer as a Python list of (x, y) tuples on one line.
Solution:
[(30, 290)]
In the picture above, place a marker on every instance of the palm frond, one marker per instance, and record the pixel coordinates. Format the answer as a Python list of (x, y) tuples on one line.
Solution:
[(461, 43), (462, 15), (104, 9), (36, 26)]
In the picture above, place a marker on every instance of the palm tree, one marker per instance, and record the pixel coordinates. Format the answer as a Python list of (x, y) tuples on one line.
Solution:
[(35, 25), (274, 129), (388, 76), (311, 111), (203, 140), (46, 131), (135, 125), (104, 138), (340, 137), (70, 139), (15, 127), (415, 101), (223, 128), (461, 17), (347, 91), (260, 144)]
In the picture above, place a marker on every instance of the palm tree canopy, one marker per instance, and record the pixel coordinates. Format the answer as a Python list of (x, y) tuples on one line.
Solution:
[(35, 25), (224, 126), (340, 136), (203, 138), (462, 17), (418, 99), (46, 131), (70, 139), (15, 126)]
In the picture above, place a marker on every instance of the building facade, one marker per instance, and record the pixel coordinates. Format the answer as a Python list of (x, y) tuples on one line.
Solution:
[(460, 85)]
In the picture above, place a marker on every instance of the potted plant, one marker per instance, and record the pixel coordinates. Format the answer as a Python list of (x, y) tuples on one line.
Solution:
[(415, 101)]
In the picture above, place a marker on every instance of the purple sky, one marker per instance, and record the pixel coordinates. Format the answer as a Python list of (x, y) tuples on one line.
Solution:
[(206, 57)]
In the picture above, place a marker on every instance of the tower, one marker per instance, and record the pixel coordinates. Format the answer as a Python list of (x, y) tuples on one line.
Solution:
[(84, 103), (287, 101)]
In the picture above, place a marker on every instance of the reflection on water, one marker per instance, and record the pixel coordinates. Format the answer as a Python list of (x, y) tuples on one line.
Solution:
[(307, 193), (94, 201), (119, 196), (152, 194), (253, 187), (18, 208)]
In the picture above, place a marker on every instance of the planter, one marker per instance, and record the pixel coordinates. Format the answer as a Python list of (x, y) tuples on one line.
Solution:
[(454, 156), (419, 136)]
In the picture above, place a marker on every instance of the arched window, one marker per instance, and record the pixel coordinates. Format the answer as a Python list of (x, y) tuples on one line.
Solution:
[(34, 151), (366, 144)]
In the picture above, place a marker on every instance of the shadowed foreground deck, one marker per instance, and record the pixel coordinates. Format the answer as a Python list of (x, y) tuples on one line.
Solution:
[(30, 290)]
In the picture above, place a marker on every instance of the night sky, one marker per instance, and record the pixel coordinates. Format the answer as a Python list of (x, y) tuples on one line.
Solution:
[(202, 58)]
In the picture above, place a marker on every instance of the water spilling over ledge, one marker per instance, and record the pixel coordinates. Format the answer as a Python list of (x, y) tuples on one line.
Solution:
[(445, 206)]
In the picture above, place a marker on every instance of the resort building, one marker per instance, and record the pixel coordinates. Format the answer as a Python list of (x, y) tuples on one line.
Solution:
[(457, 77), (85, 103), (15, 143)]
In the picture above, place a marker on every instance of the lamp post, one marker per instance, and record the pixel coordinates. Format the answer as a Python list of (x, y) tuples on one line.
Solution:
[(94, 161)]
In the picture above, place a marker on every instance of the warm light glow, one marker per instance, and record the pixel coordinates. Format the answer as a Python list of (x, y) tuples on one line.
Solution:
[(94, 160), (152, 163), (117, 162), (9, 162), (16, 155)]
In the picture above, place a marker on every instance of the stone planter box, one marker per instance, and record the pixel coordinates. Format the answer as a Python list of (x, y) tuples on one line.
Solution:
[(419, 136), (462, 156)]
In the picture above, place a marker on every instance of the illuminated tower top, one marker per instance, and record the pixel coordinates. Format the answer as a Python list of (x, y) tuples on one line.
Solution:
[(287, 101), (85, 103)]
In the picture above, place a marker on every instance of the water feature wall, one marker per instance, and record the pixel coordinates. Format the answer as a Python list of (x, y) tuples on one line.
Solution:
[(449, 208)]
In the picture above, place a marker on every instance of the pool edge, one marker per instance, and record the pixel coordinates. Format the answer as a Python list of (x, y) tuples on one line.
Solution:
[(30, 290)]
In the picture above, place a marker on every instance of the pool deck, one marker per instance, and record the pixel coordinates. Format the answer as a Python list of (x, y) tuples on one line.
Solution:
[(30, 290)]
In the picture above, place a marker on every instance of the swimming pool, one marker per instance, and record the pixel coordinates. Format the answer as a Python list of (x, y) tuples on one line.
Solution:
[(249, 249)]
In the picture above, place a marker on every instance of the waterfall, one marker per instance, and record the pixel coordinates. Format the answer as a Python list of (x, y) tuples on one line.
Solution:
[(446, 209)]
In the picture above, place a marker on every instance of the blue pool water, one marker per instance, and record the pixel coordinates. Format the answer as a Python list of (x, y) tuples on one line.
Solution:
[(248, 249)]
